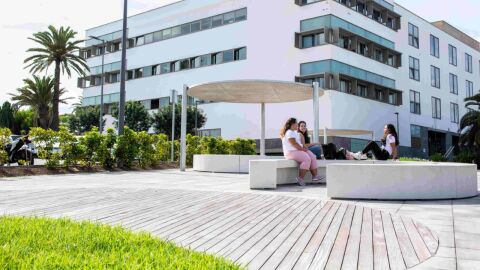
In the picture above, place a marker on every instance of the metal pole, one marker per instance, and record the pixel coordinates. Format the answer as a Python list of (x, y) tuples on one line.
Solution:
[(174, 100), (398, 126), (262, 135), (316, 112), (196, 117), (123, 70), (325, 137), (183, 136), (100, 126)]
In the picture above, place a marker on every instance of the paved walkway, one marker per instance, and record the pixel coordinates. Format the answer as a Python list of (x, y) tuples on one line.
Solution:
[(218, 213)]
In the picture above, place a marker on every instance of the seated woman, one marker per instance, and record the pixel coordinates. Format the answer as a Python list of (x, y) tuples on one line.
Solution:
[(388, 149), (313, 147), (293, 149)]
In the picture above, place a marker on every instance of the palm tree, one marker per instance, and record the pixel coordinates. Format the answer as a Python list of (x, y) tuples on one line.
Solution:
[(470, 126), (38, 95), (58, 47)]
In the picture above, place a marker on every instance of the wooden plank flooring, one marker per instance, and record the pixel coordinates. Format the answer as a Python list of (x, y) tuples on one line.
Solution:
[(256, 230)]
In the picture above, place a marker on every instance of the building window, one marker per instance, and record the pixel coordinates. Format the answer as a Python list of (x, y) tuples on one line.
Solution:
[(185, 64), (217, 58), (436, 108), (217, 21), (469, 88), (414, 64), (195, 26), (229, 18), (362, 49), (140, 41), (378, 55), (452, 55), (434, 46), (165, 68), (241, 15), (392, 98), (228, 56), (129, 74), (205, 60), (240, 54), (154, 104), (454, 113), (185, 29), (309, 41), (468, 63), (379, 94), (138, 73), (361, 90), (415, 102), (416, 134), (206, 23), (413, 35), (344, 86), (435, 73), (453, 84), (149, 38)]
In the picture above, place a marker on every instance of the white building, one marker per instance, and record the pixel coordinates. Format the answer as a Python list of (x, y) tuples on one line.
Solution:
[(374, 57)]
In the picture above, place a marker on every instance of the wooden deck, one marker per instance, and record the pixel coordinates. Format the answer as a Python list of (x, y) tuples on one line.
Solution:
[(261, 231)]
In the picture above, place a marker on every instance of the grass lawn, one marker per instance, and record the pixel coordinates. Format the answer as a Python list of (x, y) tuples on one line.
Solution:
[(41, 243)]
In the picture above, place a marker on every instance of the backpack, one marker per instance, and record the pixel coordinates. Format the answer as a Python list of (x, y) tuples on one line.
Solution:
[(329, 151)]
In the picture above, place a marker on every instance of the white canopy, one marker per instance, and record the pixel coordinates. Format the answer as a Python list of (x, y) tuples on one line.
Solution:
[(250, 91)]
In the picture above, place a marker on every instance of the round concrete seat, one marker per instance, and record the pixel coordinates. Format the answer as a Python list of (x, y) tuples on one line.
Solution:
[(402, 181)]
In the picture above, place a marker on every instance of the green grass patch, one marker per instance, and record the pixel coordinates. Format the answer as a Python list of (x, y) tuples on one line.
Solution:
[(43, 243), (412, 159)]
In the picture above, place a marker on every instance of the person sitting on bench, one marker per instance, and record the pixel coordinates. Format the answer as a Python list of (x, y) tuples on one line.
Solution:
[(314, 147), (388, 149), (293, 149)]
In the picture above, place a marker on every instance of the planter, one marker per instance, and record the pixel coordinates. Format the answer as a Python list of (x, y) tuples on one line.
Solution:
[(226, 163)]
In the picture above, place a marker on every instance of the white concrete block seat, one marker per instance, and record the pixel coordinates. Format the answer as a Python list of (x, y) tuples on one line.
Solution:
[(402, 181), (268, 173), (225, 163)]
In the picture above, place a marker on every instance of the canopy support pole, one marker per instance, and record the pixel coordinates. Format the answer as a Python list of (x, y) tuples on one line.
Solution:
[(183, 132), (262, 138), (316, 112), (325, 137)]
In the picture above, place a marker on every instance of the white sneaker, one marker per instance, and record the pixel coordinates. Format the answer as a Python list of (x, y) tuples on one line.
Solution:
[(319, 178), (360, 156), (301, 182)]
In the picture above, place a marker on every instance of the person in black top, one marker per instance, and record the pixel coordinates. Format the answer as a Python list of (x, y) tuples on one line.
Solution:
[(313, 147)]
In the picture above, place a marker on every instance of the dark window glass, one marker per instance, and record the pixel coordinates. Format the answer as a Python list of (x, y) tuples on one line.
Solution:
[(185, 64), (148, 38), (229, 18), (241, 15), (228, 56), (195, 26), (165, 68), (206, 23), (185, 29), (240, 54), (157, 36), (154, 104), (217, 20)]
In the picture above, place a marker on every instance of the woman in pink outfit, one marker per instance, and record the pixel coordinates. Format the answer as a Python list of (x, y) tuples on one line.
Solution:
[(294, 150)]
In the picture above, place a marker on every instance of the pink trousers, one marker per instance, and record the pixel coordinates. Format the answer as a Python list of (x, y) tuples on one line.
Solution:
[(307, 160)]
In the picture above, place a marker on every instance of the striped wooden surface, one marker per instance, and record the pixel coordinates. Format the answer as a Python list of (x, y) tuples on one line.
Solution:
[(261, 231)]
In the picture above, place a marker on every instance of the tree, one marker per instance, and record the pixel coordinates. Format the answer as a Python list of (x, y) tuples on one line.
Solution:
[(6, 115), (137, 117), (22, 121), (38, 95), (57, 47), (470, 126), (162, 120), (83, 119)]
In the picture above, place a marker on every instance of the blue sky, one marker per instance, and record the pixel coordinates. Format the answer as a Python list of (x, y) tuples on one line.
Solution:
[(20, 19)]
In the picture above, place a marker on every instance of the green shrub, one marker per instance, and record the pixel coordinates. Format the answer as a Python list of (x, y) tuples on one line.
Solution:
[(193, 148), (412, 159), (242, 147), (162, 147), (146, 149), (213, 146), (106, 150), (92, 142), (72, 152), (464, 156), (127, 148), (437, 158), (4, 140), (44, 141)]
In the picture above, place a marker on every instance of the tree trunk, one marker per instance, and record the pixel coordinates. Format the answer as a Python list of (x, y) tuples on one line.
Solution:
[(43, 118), (55, 120)]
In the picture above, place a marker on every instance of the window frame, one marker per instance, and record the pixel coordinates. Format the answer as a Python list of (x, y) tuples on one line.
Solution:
[(434, 46), (415, 104)]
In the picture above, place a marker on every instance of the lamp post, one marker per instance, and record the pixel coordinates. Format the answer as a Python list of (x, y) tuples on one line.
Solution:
[(398, 127), (196, 117), (123, 70), (173, 100), (100, 125)]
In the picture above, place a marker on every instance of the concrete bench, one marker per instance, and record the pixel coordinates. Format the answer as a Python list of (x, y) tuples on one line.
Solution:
[(267, 174), (402, 181)]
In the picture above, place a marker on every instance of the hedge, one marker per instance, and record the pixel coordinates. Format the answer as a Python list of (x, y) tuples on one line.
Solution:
[(63, 148)]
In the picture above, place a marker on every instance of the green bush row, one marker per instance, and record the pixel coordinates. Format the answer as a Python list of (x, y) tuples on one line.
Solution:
[(63, 148)]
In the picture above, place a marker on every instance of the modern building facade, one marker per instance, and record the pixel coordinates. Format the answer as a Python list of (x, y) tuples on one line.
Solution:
[(378, 63)]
